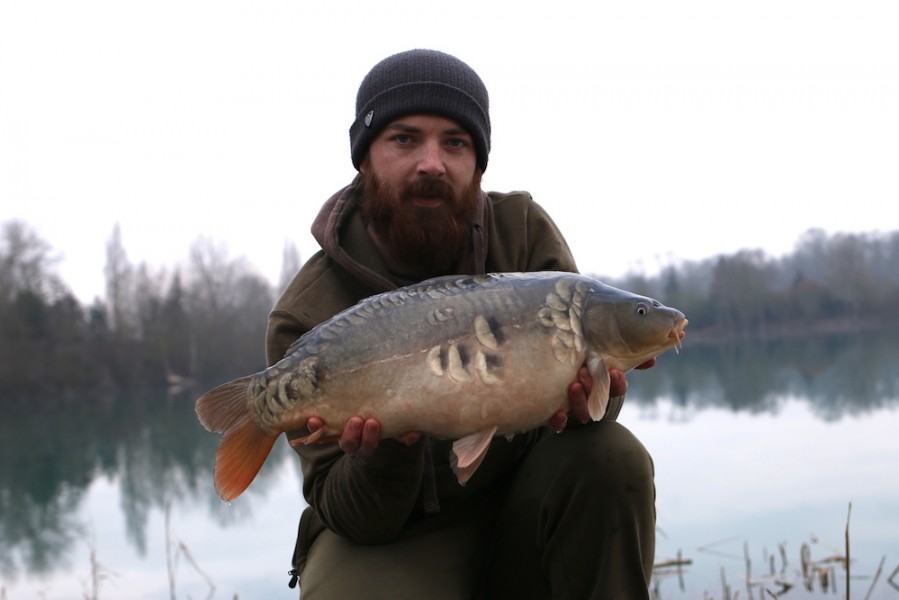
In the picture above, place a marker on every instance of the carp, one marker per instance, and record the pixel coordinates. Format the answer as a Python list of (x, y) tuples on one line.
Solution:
[(461, 358)]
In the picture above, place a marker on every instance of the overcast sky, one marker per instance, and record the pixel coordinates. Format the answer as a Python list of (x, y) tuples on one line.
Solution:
[(651, 131)]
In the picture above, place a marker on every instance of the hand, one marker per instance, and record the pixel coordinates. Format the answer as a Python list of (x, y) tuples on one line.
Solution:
[(580, 389), (361, 435)]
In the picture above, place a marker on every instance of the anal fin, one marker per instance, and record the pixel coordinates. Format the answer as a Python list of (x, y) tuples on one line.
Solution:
[(469, 452)]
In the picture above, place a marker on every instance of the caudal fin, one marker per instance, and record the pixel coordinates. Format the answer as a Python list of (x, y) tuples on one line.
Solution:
[(244, 446)]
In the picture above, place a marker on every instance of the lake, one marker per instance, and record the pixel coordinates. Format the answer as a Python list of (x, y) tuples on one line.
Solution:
[(760, 449)]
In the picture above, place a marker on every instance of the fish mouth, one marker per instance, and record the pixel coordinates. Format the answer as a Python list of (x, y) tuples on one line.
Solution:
[(677, 333)]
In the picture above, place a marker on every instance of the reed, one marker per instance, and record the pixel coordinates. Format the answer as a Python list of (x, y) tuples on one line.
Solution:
[(174, 549), (831, 574)]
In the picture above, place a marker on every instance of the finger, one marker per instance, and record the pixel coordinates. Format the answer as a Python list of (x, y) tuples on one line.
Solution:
[(410, 438), (558, 421), (314, 424), (577, 402), (617, 383), (371, 436), (649, 363), (585, 379), (351, 438)]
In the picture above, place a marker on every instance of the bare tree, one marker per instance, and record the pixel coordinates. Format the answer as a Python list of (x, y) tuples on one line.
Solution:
[(227, 305), (27, 264), (290, 264), (740, 287), (119, 281)]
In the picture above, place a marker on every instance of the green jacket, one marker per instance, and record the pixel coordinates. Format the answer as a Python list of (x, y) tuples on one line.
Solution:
[(372, 499)]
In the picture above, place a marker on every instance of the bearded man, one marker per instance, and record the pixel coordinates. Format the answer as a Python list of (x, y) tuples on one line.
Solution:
[(546, 515)]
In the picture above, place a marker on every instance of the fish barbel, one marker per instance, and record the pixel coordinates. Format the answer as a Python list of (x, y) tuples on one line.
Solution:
[(462, 358)]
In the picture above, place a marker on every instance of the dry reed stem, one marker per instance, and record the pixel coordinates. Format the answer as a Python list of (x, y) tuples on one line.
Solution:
[(172, 558), (848, 515), (673, 562), (708, 548), (876, 576), (725, 589), (892, 577), (98, 574), (748, 562)]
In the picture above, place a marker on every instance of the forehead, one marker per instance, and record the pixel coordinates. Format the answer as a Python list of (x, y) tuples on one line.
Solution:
[(427, 123)]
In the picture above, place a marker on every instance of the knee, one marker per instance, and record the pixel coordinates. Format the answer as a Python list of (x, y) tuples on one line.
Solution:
[(598, 459), (613, 451)]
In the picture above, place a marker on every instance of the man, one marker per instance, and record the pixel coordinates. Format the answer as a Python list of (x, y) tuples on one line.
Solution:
[(546, 515)]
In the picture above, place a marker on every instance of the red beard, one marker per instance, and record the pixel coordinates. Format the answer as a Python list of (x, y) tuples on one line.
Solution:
[(423, 239)]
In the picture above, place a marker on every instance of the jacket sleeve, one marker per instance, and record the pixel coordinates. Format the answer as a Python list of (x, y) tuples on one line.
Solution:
[(366, 499)]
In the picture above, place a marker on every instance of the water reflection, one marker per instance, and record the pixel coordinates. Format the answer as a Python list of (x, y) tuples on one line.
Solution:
[(838, 375), (151, 443)]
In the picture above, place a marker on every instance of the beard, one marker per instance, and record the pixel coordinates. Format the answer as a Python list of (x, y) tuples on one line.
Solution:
[(432, 239)]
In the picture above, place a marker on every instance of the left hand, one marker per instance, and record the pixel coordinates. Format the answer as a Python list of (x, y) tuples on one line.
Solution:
[(580, 389)]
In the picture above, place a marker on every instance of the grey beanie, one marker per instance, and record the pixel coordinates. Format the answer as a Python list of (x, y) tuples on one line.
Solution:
[(421, 82)]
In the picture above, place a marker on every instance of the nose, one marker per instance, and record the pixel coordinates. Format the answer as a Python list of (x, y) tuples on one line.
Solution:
[(430, 161)]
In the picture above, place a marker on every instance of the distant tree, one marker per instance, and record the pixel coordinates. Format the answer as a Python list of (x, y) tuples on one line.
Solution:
[(27, 264), (687, 289), (180, 357), (810, 257), (739, 290), (890, 263), (290, 264), (849, 273), (227, 303), (807, 300), (119, 291)]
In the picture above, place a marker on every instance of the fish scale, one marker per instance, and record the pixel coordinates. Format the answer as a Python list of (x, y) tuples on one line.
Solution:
[(462, 358)]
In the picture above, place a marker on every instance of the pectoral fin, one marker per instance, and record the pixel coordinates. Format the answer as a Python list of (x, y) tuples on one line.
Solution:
[(468, 452), (598, 401)]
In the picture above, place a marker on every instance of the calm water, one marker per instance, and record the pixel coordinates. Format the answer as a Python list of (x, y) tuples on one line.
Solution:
[(759, 451)]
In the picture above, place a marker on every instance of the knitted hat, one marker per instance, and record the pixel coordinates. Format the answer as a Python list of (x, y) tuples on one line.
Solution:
[(421, 82)]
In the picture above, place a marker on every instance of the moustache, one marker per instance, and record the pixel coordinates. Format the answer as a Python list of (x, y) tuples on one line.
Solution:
[(428, 187)]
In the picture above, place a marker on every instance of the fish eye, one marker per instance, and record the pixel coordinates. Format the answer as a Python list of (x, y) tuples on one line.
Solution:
[(642, 309)]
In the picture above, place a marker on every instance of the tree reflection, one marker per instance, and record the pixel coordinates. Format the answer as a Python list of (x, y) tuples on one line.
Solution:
[(838, 375), (149, 442), (152, 445)]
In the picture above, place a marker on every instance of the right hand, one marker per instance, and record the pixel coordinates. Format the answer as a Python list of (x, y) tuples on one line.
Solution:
[(361, 435)]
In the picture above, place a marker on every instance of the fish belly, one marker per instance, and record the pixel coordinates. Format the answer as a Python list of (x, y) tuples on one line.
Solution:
[(405, 395)]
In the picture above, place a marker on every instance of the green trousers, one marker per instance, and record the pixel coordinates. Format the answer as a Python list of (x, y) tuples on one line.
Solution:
[(577, 521)]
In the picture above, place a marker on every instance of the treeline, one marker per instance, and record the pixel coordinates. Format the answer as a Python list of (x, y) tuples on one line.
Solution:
[(843, 281), (205, 320)]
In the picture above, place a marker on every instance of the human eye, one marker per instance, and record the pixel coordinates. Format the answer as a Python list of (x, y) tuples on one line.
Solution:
[(457, 143)]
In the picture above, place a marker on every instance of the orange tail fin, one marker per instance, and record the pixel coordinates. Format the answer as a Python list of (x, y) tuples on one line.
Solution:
[(244, 446)]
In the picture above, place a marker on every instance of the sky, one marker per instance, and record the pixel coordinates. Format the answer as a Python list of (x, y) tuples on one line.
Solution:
[(653, 131)]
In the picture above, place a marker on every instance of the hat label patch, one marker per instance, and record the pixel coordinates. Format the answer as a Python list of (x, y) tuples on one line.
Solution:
[(368, 118)]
